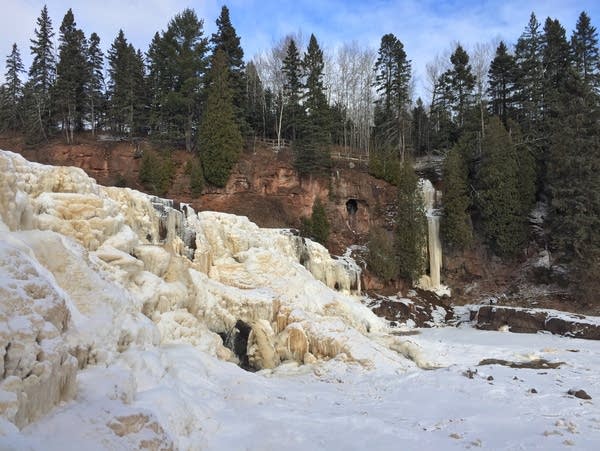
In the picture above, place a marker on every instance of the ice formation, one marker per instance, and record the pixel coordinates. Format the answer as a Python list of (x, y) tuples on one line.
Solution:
[(432, 280), (89, 273), (115, 307)]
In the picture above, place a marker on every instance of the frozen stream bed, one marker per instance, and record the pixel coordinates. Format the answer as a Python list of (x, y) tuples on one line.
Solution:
[(204, 403)]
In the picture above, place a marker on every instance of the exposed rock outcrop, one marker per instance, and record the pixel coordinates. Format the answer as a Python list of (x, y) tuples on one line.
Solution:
[(523, 320), (422, 309)]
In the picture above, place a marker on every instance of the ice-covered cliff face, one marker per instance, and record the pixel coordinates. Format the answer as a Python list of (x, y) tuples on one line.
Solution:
[(88, 273)]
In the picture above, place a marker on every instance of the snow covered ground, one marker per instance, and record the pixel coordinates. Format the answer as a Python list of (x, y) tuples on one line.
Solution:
[(109, 314), (204, 403)]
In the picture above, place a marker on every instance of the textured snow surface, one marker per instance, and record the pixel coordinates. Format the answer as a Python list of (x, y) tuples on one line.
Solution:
[(111, 306)]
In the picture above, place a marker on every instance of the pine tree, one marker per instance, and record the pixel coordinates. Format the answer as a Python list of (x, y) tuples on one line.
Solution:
[(574, 183), (119, 61), (43, 67), (139, 98), (292, 90), (556, 58), (314, 100), (502, 75), (526, 164), (181, 65), (126, 88), (227, 40), (175, 71), (461, 83), (529, 80), (314, 133), (220, 140), (499, 197), (72, 75), (444, 131), (392, 78), (411, 224), (420, 129), (381, 259), (95, 84), (453, 101), (585, 52), (456, 227), (319, 224), (194, 170), (159, 82), (256, 103), (42, 73), (156, 172), (11, 117)]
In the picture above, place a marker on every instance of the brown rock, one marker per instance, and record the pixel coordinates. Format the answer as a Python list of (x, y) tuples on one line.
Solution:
[(418, 309), (581, 394), (531, 321), (518, 320)]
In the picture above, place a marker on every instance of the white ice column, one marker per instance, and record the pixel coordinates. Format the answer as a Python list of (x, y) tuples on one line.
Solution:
[(432, 281)]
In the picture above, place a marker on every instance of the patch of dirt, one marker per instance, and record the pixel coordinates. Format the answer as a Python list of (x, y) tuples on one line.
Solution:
[(581, 394), (476, 276), (405, 333)]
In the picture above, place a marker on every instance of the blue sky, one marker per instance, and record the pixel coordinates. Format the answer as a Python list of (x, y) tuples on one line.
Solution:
[(426, 27)]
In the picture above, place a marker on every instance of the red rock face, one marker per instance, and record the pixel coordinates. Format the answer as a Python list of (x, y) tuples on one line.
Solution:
[(263, 186), (107, 162)]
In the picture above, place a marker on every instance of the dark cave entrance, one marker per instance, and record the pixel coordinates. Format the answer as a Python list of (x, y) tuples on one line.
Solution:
[(352, 206), (237, 340)]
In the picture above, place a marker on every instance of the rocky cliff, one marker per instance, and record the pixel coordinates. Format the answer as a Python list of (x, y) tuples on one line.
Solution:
[(264, 185)]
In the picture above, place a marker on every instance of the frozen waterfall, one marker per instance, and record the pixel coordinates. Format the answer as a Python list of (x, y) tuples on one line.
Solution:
[(432, 281)]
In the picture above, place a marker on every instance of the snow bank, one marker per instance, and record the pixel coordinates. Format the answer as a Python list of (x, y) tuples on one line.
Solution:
[(90, 272)]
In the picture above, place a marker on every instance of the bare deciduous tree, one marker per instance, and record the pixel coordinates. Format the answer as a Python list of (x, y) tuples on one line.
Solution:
[(270, 69), (352, 91), (481, 56)]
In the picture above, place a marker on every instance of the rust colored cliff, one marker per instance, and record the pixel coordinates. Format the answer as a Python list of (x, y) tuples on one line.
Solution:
[(264, 185)]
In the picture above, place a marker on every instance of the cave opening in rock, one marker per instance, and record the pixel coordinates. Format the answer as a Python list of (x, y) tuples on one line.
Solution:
[(352, 206), (237, 340)]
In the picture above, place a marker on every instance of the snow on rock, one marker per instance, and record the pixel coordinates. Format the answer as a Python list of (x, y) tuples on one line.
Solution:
[(37, 369), (114, 309), (90, 272), (224, 237)]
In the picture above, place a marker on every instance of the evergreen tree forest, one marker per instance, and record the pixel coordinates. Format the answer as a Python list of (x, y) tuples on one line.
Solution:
[(519, 130)]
